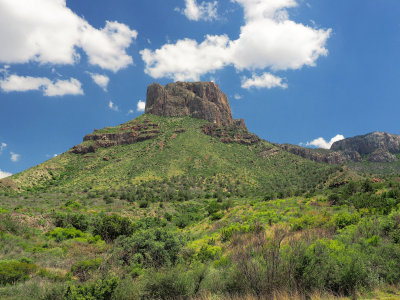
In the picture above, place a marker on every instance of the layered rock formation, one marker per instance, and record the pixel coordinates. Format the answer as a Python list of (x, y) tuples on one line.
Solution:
[(127, 135), (381, 155), (231, 134), (201, 100), (366, 144), (373, 147), (323, 156), (378, 146)]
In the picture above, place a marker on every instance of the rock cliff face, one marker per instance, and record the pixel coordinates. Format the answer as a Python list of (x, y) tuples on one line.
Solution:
[(366, 144), (134, 133), (377, 146), (373, 147), (381, 155), (323, 156), (202, 100)]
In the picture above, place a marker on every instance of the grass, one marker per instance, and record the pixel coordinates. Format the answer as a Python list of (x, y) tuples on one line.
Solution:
[(185, 216), (189, 155)]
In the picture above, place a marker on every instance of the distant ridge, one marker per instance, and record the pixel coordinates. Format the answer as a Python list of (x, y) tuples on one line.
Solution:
[(368, 143), (377, 147)]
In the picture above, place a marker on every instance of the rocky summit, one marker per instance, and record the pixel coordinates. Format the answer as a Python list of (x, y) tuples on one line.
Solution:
[(368, 143), (201, 100), (378, 146)]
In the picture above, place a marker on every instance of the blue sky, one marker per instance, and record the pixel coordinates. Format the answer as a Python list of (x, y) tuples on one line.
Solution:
[(295, 70)]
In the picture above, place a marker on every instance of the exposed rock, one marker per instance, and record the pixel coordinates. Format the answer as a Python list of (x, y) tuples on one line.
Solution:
[(323, 156), (230, 134), (201, 100), (7, 183), (180, 130), (366, 144), (269, 151), (240, 123), (381, 155), (129, 135)]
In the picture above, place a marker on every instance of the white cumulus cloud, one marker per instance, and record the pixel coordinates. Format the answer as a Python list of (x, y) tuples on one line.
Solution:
[(2, 147), (268, 40), (101, 80), (265, 80), (187, 60), (206, 11), (47, 31), (15, 157), (322, 143), (63, 87), (141, 106), (16, 83), (112, 106), (4, 174)]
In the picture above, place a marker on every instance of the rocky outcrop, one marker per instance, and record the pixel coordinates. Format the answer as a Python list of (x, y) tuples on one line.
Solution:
[(201, 100), (323, 156), (128, 135), (231, 134), (374, 147), (366, 144), (381, 155)]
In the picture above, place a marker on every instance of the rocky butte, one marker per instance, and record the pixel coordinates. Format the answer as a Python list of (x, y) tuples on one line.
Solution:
[(201, 100)]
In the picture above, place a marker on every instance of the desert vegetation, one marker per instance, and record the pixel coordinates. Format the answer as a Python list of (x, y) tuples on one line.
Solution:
[(342, 241)]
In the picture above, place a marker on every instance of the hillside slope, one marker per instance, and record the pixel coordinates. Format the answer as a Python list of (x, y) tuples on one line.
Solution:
[(178, 150)]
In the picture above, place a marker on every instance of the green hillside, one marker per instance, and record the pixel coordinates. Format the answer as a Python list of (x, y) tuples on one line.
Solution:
[(181, 154), (179, 208)]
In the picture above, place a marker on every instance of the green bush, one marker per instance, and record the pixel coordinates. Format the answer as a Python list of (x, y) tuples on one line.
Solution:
[(62, 234), (343, 220), (150, 248), (77, 220), (171, 284), (330, 265), (83, 269), (102, 289), (111, 227), (12, 272)]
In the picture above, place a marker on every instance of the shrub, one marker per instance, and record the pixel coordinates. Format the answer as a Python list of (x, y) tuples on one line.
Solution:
[(83, 269), (8, 224), (102, 289), (111, 227), (151, 248), (77, 220), (143, 204), (12, 272), (330, 265), (208, 252), (62, 234), (171, 284), (345, 219)]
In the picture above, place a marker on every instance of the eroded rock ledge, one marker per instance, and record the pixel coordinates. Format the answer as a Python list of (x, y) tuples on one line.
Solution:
[(130, 134), (323, 156), (230, 134)]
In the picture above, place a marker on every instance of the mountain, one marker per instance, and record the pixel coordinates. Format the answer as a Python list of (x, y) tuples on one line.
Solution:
[(184, 202), (380, 146), (376, 152), (187, 134)]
